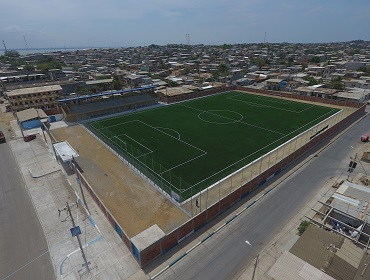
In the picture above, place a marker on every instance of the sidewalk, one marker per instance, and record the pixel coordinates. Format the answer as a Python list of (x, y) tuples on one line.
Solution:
[(288, 235), (50, 189)]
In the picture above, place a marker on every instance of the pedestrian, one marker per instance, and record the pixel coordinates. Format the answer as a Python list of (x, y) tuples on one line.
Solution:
[(197, 202)]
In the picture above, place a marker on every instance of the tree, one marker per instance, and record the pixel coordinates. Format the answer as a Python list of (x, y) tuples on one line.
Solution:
[(50, 63), (223, 69), (365, 69), (11, 53), (29, 67), (315, 59), (81, 90), (337, 83), (302, 227), (311, 81), (260, 62), (116, 83)]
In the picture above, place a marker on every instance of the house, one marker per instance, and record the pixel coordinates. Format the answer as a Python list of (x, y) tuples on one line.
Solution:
[(31, 118), (244, 81), (275, 84), (357, 83)]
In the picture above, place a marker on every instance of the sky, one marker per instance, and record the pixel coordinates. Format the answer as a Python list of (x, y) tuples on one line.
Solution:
[(125, 23)]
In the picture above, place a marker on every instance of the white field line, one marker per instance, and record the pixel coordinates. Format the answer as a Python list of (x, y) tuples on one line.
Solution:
[(119, 139), (145, 147), (185, 162), (119, 124), (231, 120), (268, 106), (258, 150), (270, 99), (170, 130), (169, 135), (128, 113), (117, 136), (182, 141), (203, 152), (255, 126)]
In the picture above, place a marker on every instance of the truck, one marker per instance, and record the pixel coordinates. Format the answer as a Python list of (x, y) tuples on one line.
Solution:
[(2, 137)]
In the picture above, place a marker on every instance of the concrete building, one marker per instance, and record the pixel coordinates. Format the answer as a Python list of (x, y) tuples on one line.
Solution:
[(35, 97)]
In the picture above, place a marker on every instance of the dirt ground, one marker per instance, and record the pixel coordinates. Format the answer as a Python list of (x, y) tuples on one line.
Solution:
[(134, 203)]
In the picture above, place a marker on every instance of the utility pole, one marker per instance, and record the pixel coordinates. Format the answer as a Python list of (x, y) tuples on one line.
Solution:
[(255, 267), (79, 181), (42, 128), (79, 240)]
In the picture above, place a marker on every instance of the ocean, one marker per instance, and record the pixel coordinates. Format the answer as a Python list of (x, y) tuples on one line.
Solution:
[(47, 50)]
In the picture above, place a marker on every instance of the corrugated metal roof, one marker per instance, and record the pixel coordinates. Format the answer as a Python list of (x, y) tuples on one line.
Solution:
[(290, 267), (30, 114), (353, 199)]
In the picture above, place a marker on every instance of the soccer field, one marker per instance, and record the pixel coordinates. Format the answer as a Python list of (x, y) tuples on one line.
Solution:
[(186, 147)]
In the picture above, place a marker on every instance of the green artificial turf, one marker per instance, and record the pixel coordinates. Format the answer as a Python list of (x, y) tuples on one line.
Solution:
[(188, 146)]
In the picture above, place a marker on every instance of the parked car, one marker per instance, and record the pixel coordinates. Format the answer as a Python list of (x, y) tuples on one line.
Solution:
[(29, 138), (365, 138), (2, 137)]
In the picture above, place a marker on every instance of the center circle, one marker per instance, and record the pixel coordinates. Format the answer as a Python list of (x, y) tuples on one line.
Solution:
[(220, 116)]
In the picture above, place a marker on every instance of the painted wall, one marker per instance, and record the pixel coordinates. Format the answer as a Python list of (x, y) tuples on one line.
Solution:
[(31, 124)]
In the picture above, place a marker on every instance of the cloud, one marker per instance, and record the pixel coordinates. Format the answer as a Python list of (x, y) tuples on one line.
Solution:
[(11, 29)]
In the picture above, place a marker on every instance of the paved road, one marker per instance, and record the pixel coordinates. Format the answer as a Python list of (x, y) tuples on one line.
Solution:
[(226, 253), (23, 248)]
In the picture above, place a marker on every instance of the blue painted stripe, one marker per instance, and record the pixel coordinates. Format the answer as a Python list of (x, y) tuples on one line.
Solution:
[(229, 221), (179, 258), (61, 266), (250, 204), (268, 191), (92, 220), (207, 237), (95, 240)]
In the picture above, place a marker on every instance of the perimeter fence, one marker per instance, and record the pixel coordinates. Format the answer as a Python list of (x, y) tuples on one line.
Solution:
[(160, 176), (195, 198)]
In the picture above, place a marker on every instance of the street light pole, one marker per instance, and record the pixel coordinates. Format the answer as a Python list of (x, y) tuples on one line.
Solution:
[(79, 240), (43, 132), (79, 182), (255, 267)]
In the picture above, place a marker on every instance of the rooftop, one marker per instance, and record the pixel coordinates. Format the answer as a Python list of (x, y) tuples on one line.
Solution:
[(31, 90), (30, 114)]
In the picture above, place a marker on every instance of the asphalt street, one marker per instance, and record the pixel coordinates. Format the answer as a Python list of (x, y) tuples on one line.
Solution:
[(23, 248), (226, 254)]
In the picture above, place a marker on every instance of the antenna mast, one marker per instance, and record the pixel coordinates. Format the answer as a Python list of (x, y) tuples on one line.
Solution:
[(4, 46), (264, 40), (188, 39), (24, 37)]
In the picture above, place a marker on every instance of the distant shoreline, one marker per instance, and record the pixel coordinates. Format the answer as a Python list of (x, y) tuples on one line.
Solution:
[(23, 51)]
